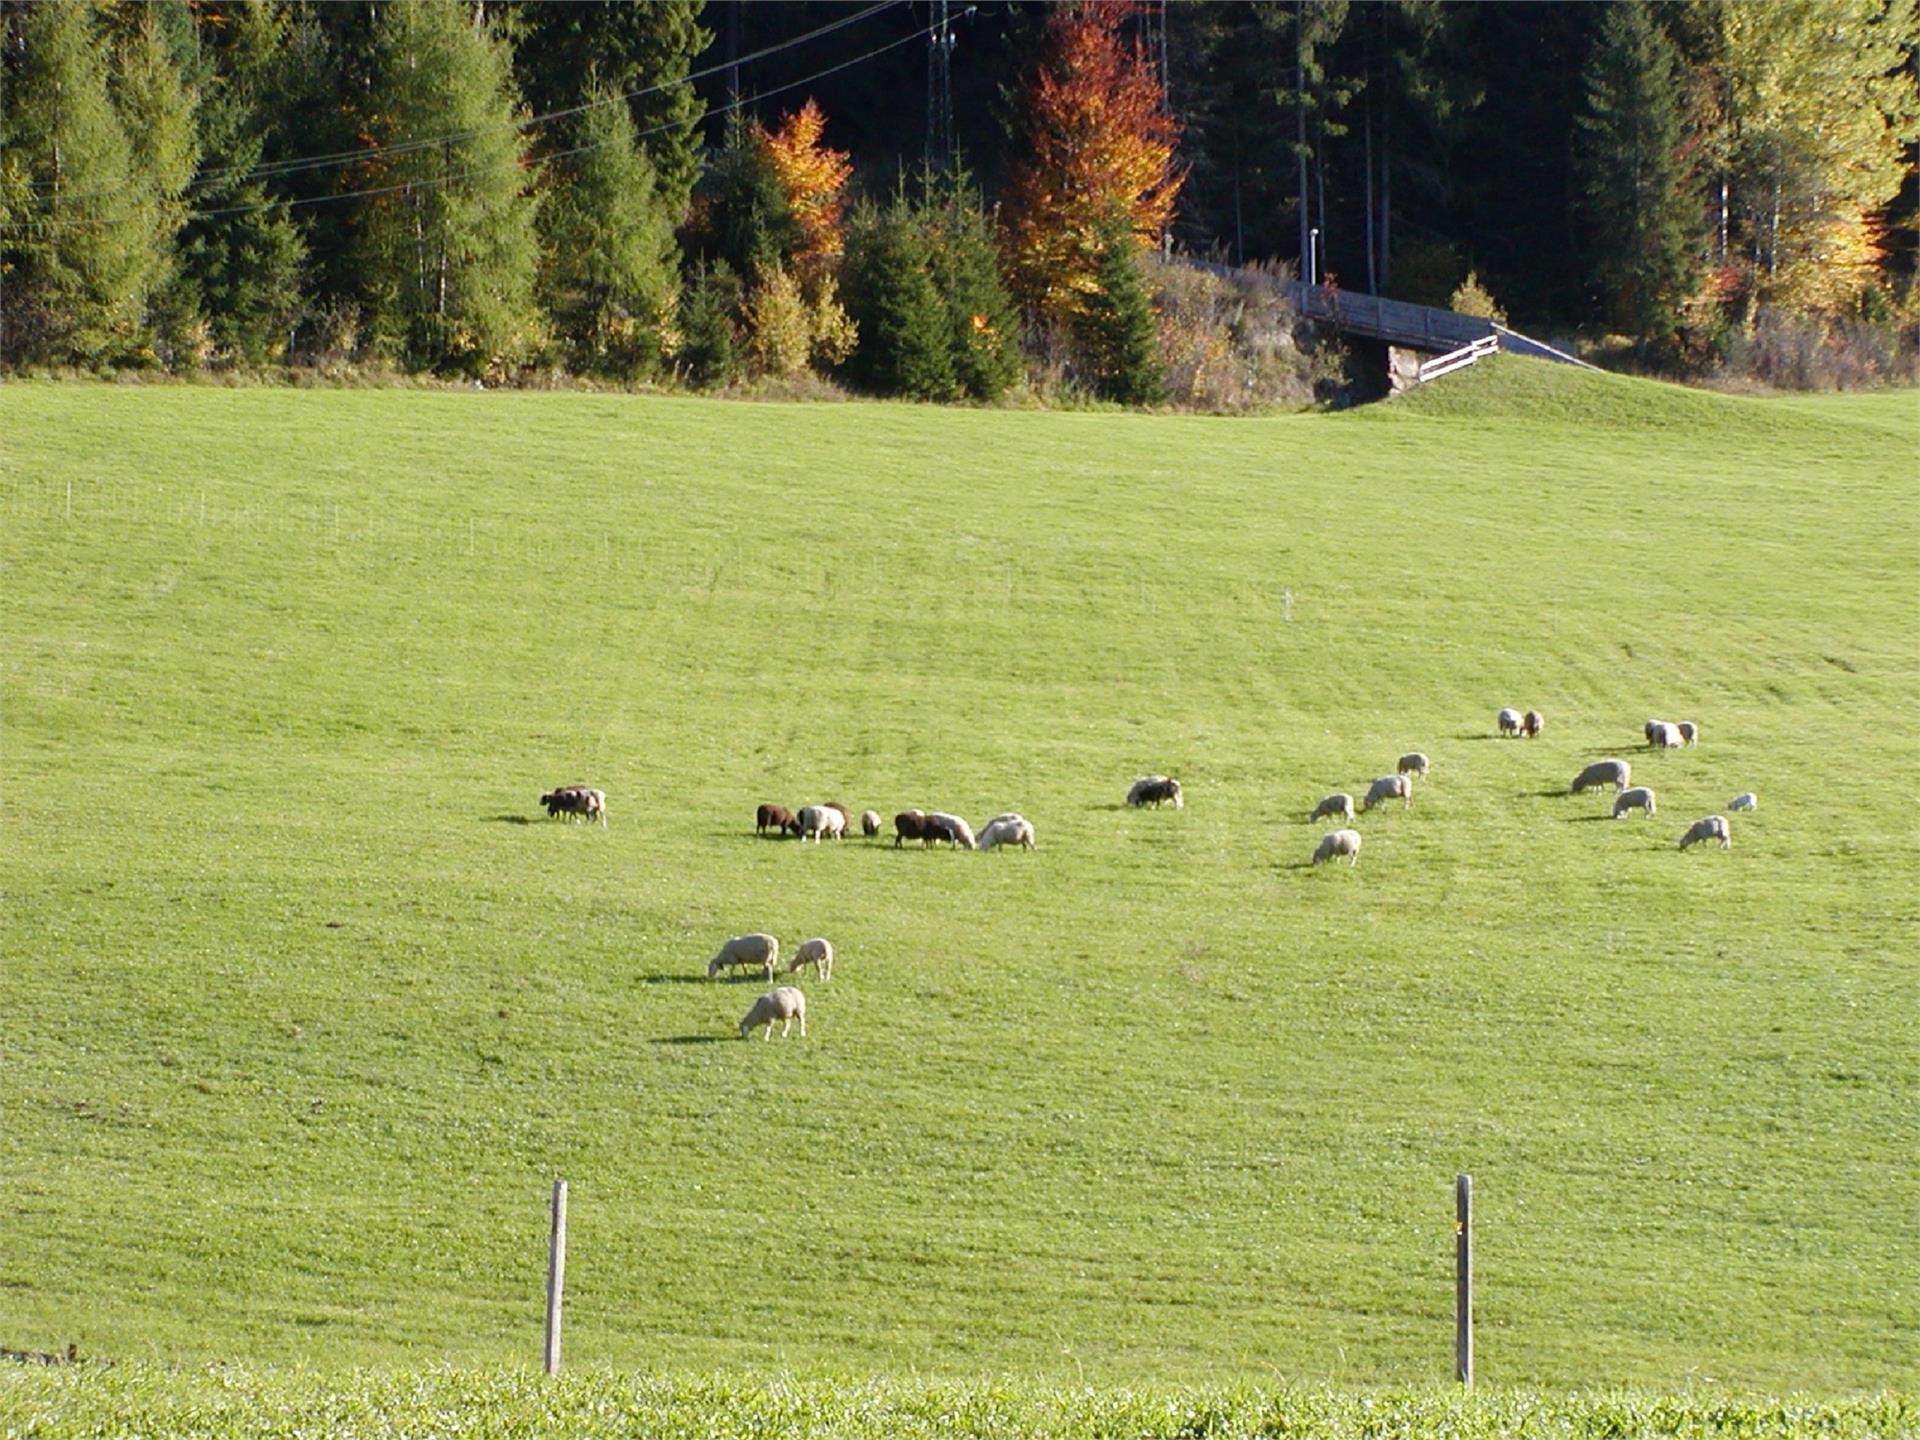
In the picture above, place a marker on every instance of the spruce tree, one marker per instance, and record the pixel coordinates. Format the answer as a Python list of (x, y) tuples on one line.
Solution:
[(905, 331), (643, 49), (157, 97), (79, 256), (243, 256), (745, 218), (610, 256), (710, 340), (448, 251), (1643, 217), (964, 265), (1115, 332)]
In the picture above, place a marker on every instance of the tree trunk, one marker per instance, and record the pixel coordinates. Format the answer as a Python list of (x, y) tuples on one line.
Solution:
[(1373, 274), (1300, 127)]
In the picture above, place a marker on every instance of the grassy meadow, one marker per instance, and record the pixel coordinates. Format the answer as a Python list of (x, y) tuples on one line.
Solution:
[(307, 1003)]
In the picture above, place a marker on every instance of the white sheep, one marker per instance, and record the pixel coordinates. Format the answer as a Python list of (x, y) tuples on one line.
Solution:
[(1388, 787), (1602, 772), (817, 952), (1007, 830), (869, 823), (783, 1003), (958, 830), (757, 949), (1413, 763), (1340, 804), (1689, 731), (1509, 721), (1154, 790), (1713, 827), (1665, 735), (1638, 798), (1339, 842), (819, 820), (1747, 801)]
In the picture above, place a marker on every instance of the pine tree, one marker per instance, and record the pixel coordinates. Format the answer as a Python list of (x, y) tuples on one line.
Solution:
[(243, 257), (1644, 218), (1093, 138), (905, 344), (1116, 333), (447, 254), (79, 255), (610, 256)]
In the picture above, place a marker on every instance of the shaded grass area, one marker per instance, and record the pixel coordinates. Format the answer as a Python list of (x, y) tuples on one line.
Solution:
[(303, 1020), (223, 1403)]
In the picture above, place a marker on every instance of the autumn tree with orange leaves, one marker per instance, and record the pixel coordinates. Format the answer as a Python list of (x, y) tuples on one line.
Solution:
[(1095, 142), (814, 177)]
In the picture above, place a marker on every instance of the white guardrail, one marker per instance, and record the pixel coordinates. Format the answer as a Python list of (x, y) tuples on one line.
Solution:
[(1459, 359)]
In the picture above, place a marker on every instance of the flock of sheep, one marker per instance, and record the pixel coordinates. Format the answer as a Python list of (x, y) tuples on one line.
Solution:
[(785, 1004), (1662, 734)]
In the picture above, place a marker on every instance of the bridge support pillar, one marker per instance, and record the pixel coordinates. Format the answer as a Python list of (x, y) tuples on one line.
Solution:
[(1403, 368)]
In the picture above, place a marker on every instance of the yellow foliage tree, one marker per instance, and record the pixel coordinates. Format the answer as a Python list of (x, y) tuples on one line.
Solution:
[(814, 177)]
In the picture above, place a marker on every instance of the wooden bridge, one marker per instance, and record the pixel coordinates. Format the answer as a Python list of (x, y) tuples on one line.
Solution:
[(1446, 333)]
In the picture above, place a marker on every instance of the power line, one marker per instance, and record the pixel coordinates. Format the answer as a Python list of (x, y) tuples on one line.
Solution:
[(430, 183), (275, 169)]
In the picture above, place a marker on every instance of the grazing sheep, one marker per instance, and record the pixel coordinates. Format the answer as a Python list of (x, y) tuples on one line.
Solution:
[(1689, 731), (1386, 788), (1340, 804), (1006, 830), (1154, 790), (1339, 842), (581, 801), (910, 825), (1713, 827), (817, 952), (1639, 797), (761, 951), (1509, 721), (846, 820), (1602, 772), (1663, 735), (819, 820), (950, 828), (1413, 763), (1747, 801), (1532, 725), (776, 818), (782, 1003), (869, 823)]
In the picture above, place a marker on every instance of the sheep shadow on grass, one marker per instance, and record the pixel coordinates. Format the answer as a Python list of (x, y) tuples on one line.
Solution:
[(1583, 819), (674, 979), (509, 819), (691, 1039)]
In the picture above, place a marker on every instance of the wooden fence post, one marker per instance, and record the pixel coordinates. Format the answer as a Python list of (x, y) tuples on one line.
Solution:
[(1463, 1280), (556, 1274)]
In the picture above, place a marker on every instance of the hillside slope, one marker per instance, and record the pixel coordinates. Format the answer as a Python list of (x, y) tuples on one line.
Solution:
[(307, 1009)]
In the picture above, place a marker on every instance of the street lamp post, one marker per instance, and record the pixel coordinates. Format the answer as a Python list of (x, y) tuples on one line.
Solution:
[(1313, 256)]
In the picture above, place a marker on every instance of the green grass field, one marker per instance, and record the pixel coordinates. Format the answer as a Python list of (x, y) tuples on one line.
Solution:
[(307, 1004)]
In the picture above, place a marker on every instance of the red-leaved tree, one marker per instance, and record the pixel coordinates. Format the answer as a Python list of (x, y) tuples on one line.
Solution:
[(1094, 141)]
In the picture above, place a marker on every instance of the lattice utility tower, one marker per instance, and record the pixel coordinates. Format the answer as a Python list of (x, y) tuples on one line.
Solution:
[(941, 143)]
